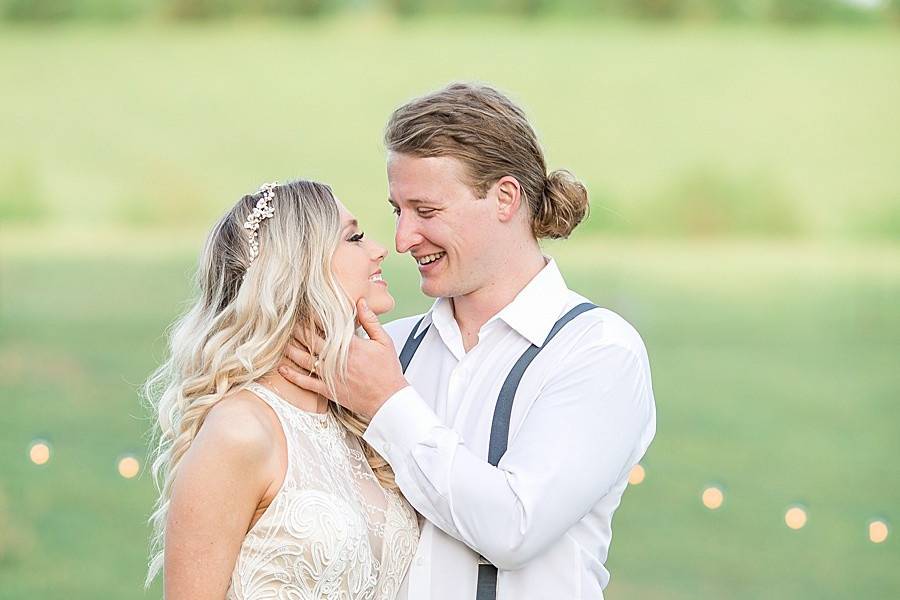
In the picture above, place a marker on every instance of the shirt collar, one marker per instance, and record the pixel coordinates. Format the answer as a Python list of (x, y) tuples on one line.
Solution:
[(441, 316), (531, 313), (536, 308)]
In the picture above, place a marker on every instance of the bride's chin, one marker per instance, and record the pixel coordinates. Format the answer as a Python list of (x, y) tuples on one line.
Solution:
[(380, 303)]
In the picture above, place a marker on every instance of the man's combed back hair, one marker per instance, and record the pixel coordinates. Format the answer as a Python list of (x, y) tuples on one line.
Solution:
[(491, 136)]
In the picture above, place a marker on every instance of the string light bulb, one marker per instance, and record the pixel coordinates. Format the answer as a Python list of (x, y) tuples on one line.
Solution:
[(712, 497), (128, 466), (637, 475), (878, 531), (795, 517), (39, 452)]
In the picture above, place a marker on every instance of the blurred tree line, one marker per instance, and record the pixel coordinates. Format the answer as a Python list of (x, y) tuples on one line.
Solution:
[(779, 11)]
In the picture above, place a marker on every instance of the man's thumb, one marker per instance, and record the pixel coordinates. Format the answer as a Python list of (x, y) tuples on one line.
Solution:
[(369, 321)]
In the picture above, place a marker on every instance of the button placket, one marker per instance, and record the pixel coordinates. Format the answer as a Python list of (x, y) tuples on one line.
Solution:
[(460, 378)]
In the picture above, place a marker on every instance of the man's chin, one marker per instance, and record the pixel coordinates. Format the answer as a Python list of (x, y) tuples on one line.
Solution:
[(432, 289)]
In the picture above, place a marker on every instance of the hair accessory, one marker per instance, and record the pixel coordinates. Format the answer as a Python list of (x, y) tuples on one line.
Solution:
[(263, 210)]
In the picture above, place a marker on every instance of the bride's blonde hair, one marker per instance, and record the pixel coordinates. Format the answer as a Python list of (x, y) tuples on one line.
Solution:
[(243, 318)]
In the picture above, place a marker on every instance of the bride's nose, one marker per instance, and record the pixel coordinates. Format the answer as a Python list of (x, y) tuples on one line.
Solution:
[(379, 252)]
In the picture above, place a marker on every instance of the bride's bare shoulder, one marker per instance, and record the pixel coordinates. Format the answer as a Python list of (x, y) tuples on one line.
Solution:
[(241, 421)]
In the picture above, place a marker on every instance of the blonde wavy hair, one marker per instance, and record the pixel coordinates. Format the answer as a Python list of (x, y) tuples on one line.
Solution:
[(238, 328)]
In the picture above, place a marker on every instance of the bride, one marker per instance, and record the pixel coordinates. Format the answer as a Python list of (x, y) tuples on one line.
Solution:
[(267, 490)]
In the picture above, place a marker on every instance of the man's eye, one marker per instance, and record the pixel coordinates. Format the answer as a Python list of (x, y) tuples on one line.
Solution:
[(358, 237), (425, 212)]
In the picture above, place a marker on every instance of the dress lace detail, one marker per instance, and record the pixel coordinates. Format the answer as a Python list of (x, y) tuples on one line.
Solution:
[(331, 532)]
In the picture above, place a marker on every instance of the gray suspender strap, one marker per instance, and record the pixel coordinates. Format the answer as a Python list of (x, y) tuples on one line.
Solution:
[(412, 344), (503, 408), (487, 581), (487, 573)]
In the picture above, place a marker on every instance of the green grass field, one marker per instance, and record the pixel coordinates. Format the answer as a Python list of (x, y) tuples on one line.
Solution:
[(774, 371), (746, 211), (675, 130)]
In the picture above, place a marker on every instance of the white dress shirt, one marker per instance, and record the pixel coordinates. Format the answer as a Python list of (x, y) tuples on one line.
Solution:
[(583, 416)]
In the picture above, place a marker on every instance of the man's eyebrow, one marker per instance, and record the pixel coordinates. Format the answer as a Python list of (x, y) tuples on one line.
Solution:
[(411, 201)]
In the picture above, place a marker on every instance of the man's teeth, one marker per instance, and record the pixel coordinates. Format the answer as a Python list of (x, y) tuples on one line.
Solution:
[(424, 260), (376, 277)]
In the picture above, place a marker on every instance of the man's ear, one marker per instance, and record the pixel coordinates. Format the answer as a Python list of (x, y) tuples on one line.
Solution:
[(509, 198)]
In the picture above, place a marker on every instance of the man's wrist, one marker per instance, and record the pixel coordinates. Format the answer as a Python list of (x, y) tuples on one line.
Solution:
[(403, 421), (398, 385)]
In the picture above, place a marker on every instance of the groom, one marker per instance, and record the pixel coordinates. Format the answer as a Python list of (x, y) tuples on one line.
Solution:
[(516, 408)]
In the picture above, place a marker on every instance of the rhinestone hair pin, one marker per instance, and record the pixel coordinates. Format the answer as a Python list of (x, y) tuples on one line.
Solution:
[(263, 210)]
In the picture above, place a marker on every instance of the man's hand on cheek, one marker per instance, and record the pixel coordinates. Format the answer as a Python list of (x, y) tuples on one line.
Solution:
[(373, 371)]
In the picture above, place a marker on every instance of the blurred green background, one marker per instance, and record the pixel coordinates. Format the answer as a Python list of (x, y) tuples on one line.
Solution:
[(742, 160)]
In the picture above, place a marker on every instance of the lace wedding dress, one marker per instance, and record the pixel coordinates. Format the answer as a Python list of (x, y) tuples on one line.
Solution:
[(331, 532)]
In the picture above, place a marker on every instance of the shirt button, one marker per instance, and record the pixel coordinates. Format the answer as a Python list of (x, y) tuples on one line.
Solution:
[(387, 447), (420, 561)]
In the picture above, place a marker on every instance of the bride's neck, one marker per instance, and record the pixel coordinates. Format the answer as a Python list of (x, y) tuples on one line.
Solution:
[(297, 396)]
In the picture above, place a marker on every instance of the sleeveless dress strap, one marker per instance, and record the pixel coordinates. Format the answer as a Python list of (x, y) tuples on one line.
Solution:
[(278, 407)]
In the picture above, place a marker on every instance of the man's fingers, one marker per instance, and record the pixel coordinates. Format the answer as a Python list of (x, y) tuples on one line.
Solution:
[(304, 381), (369, 321), (308, 338), (300, 357)]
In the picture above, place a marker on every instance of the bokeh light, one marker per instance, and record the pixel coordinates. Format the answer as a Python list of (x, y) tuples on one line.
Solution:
[(39, 452), (713, 497), (795, 517), (129, 466), (878, 531), (637, 475)]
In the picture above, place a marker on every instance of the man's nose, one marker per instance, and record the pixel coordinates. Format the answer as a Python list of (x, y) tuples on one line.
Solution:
[(406, 235)]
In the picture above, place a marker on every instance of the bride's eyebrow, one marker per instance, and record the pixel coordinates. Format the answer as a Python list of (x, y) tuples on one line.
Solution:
[(351, 223)]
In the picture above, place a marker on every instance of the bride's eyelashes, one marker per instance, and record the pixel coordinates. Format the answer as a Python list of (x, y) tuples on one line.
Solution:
[(358, 237)]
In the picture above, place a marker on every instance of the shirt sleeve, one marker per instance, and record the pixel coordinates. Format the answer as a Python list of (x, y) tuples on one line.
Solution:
[(587, 428)]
